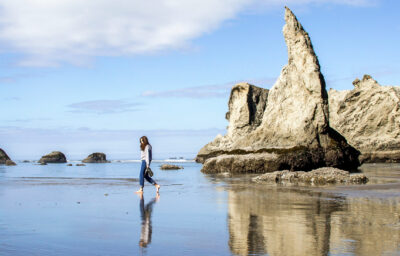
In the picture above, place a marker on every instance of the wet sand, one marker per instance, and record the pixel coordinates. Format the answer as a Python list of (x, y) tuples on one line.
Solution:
[(93, 210)]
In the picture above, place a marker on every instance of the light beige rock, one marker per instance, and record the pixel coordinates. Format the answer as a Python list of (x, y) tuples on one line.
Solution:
[(246, 109), (297, 108), (294, 131), (369, 117)]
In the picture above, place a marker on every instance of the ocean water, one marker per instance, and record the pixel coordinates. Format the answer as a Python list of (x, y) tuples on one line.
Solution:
[(92, 210)]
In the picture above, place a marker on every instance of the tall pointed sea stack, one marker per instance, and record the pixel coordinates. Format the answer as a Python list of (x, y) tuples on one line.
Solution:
[(294, 132)]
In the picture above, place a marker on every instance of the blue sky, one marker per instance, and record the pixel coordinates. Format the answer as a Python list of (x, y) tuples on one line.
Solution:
[(85, 76)]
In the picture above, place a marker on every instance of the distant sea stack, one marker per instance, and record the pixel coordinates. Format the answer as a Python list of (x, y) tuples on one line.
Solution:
[(369, 117), (286, 127), (96, 158), (3, 157), (53, 157)]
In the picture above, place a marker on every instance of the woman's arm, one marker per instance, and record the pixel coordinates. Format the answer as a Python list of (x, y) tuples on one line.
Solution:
[(147, 155)]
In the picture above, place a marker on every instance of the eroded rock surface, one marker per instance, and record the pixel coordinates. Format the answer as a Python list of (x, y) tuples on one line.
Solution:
[(3, 157), (96, 158), (53, 157), (369, 117), (294, 131), (246, 106), (325, 175)]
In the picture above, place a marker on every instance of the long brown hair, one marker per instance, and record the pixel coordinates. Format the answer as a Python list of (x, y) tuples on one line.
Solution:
[(144, 141)]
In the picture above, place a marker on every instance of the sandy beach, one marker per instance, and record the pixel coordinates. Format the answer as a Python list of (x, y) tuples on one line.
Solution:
[(93, 210)]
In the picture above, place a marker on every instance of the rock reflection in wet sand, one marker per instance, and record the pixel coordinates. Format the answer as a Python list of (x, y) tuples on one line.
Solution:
[(282, 221)]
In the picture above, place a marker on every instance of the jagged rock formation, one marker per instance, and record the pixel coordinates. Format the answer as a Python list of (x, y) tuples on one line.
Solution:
[(294, 131), (246, 109), (96, 158), (324, 175), (3, 157), (53, 157), (369, 117)]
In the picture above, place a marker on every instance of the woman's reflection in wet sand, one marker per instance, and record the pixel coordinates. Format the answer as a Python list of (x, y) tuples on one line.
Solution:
[(145, 214)]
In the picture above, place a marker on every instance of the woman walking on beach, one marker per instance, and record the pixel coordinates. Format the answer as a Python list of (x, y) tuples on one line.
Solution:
[(146, 157)]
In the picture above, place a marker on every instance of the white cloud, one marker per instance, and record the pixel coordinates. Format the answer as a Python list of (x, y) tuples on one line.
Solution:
[(207, 91), (103, 106), (51, 32)]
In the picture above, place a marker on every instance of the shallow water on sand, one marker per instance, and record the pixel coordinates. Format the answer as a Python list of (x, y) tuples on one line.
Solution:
[(93, 210)]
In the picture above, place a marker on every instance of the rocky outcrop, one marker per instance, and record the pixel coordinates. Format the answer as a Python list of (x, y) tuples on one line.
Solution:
[(53, 157), (96, 158), (293, 131), (246, 109), (3, 157), (10, 163), (369, 117), (324, 175), (170, 167)]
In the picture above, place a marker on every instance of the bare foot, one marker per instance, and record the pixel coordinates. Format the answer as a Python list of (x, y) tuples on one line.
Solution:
[(140, 191), (140, 195), (158, 187)]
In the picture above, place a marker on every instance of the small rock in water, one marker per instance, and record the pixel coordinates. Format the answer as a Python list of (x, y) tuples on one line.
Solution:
[(170, 167), (3, 156), (69, 164), (97, 157), (80, 164), (325, 175), (10, 163), (53, 157)]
